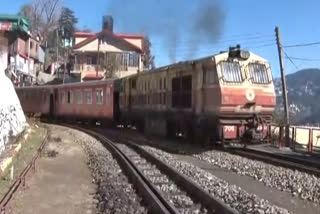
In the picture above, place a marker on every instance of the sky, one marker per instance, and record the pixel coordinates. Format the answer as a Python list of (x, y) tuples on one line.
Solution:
[(170, 26)]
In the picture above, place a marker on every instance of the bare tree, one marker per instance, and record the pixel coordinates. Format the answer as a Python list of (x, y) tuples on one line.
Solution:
[(43, 15), (52, 9), (112, 64)]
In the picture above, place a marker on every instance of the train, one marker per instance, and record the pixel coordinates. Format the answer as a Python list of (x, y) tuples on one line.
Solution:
[(223, 98)]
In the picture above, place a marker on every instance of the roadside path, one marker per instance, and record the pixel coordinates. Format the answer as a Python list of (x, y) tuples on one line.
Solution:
[(62, 182)]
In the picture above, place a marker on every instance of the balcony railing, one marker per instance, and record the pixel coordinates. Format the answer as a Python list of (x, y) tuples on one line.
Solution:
[(84, 67), (300, 137)]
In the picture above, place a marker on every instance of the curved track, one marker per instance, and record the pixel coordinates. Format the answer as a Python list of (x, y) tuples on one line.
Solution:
[(163, 189), (300, 164)]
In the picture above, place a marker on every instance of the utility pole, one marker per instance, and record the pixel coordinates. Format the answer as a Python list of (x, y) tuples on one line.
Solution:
[(284, 86), (57, 50), (29, 55), (98, 60)]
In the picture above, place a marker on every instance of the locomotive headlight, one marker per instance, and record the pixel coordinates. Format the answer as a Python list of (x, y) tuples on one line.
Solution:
[(236, 52), (244, 55)]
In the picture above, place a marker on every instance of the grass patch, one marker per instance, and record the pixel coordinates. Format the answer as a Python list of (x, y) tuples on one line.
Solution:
[(25, 155)]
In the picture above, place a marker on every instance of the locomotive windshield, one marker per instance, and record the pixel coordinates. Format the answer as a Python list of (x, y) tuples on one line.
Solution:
[(231, 71), (258, 73)]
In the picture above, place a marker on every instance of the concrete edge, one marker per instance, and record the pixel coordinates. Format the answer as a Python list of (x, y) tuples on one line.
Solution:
[(4, 164)]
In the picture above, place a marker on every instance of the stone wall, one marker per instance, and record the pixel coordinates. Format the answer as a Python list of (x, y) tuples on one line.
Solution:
[(12, 119)]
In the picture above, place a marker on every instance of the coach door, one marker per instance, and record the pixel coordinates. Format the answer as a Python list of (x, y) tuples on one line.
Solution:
[(132, 87), (51, 107), (53, 101), (182, 92)]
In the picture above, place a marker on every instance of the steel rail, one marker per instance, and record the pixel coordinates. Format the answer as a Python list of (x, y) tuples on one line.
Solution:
[(188, 185), (183, 181), (280, 160), (152, 198)]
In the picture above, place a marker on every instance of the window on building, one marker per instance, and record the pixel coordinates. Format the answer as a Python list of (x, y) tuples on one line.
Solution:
[(130, 59), (99, 96), (108, 96), (209, 75), (117, 60), (70, 97), (124, 59), (91, 60), (160, 84), (134, 59), (62, 97), (79, 97), (88, 95)]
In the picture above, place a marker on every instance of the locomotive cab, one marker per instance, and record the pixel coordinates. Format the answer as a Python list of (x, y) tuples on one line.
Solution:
[(247, 96)]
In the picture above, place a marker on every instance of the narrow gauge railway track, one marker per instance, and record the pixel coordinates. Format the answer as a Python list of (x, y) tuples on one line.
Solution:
[(164, 189), (286, 161), (279, 160)]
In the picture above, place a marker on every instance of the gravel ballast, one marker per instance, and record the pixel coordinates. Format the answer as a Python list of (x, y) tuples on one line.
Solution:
[(301, 184), (232, 195), (114, 192), (169, 190)]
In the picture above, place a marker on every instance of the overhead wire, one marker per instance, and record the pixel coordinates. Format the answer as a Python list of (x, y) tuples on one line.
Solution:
[(301, 45), (285, 53), (304, 59), (261, 46)]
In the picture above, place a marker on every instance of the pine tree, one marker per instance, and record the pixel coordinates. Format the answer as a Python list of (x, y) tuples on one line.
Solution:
[(148, 58), (67, 23)]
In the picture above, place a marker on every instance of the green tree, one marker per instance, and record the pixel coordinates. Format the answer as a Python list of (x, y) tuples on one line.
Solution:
[(148, 58), (67, 24)]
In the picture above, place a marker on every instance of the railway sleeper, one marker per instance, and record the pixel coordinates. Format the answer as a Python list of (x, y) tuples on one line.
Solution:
[(187, 188), (169, 189)]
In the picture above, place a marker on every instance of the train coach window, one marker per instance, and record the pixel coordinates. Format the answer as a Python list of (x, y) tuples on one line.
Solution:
[(231, 71), (79, 97), (62, 97), (70, 97), (99, 96), (88, 95), (258, 73), (209, 75), (108, 96)]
